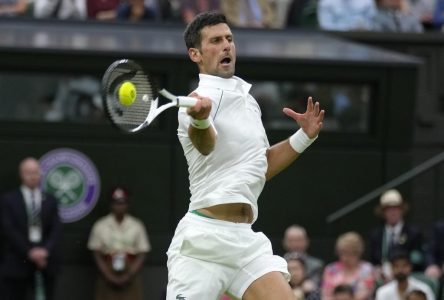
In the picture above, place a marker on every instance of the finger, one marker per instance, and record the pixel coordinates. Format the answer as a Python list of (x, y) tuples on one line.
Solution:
[(289, 112), (316, 108), (195, 109), (321, 115), (310, 104)]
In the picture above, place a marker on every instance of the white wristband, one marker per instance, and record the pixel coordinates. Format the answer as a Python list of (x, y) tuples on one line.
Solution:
[(299, 141), (200, 124)]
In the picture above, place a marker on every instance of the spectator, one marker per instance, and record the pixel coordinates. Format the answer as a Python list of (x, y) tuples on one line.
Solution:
[(102, 9), (249, 13), (416, 295), (343, 292), (404, 283), (345, 15), (60, 9), (32, 230), (13, 8), (422, 10), (119, 243), (190, 8), (350, 269), (391, 17), (296, 240), (303, 287), (438, 14), (136, 11), (394, 234), (303, 13), (435, 257)]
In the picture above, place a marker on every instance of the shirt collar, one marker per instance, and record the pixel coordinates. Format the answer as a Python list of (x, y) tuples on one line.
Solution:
[(234, 83), (27, 191), (396, 229), (114, 222)]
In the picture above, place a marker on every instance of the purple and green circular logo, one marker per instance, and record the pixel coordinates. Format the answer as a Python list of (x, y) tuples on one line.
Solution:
[(73, 179)]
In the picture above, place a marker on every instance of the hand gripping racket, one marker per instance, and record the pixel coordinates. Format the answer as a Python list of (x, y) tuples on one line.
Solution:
[(130, 98)]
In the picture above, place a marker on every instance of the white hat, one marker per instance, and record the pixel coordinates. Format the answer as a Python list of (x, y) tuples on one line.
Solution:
[(391, 198)]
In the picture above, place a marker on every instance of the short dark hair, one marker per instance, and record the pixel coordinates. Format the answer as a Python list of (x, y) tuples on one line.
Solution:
[(343, 288), (418, 293), (399, 254), (192, 31), (295, 256)]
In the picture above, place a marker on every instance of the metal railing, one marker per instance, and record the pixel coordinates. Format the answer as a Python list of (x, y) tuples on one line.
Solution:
[(425, 166)]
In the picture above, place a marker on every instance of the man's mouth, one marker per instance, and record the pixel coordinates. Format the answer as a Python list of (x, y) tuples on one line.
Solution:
[(225, 61)]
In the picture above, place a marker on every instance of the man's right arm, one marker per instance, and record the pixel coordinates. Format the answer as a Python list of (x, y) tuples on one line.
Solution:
[(201, 130), (11, 230), (203, 139)]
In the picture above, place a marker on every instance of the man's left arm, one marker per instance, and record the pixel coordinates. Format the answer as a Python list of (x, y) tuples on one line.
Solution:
[(284, 153), (55, 226)]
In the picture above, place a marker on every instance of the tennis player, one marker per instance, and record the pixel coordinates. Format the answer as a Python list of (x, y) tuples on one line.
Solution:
[(214, 249)]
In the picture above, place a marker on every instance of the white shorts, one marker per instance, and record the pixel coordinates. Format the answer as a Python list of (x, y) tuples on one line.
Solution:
[(208, 257)]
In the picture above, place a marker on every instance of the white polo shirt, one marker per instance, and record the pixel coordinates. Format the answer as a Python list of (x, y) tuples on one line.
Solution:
[(390, 290), (235, 171)]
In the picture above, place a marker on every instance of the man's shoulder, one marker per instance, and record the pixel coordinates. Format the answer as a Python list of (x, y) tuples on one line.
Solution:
[(386, 289), (410, 228), (11, 195), (50, 197), (134, 221), (376, 231), (103, 221), (314, 261), (419, 284)]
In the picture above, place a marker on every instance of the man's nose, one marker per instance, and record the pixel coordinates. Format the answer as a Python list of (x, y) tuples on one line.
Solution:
[(226, 44)]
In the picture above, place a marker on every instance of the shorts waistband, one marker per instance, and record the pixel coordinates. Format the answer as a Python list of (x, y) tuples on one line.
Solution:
[(197, 219)]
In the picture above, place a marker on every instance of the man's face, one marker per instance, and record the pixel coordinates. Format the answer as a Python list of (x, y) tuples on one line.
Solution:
[(393, 214), (119, 208), (295, 240), (217, 53), (30, 173), (349, 257), (297, 272), (401, 269)]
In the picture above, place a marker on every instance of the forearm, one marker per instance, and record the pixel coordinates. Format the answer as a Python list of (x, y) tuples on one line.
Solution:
[(101, 264), (279, 157), (203, 139), (55, 231), (283, 154), (137, 264)]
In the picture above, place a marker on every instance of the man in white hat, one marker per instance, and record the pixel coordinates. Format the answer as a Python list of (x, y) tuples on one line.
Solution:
[(394, 234)]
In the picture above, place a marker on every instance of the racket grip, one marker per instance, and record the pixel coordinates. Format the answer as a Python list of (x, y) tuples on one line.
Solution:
[(183, 101)]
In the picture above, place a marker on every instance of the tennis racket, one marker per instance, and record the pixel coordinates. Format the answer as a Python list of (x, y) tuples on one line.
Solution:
[(130, 98)]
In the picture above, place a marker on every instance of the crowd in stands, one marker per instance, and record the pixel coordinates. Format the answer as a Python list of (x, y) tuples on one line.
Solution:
[(337, 15), (394, 261)]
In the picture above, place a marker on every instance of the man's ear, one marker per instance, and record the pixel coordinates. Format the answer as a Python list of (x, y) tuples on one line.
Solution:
[(194, 54)]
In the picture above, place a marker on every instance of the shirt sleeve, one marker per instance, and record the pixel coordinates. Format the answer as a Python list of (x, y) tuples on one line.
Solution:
[(142, 244), (94, 241)]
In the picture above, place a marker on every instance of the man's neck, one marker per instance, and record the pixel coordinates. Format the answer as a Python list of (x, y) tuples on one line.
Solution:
[(402, 286)]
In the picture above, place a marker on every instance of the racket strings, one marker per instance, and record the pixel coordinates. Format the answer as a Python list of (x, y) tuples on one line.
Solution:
[(131, 116)]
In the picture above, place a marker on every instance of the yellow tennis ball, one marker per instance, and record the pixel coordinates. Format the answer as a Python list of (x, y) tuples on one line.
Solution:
[(127, 93)]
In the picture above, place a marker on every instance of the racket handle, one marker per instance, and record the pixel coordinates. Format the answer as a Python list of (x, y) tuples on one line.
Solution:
[(183, 101)]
